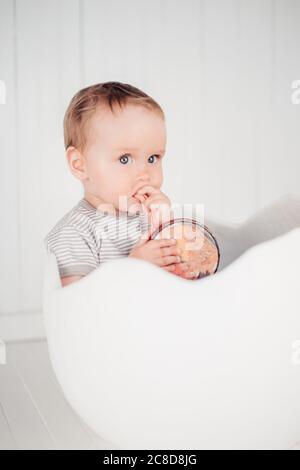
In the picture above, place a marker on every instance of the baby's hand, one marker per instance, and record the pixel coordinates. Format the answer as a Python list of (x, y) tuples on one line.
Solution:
[(163, 253), (156, 203)]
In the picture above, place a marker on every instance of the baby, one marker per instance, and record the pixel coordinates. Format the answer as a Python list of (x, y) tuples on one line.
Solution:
[(115, 139)]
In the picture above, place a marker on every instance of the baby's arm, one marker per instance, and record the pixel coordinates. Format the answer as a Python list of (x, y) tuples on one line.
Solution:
[(69, 279), (75, 251)]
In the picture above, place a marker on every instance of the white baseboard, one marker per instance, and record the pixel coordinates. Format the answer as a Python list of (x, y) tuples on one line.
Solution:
[(22, 326)]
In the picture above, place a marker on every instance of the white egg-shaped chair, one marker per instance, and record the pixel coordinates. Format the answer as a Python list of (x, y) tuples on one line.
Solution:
[(153, 361)]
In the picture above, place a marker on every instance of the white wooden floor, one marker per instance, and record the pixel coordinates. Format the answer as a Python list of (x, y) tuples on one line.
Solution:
[(34, 413)]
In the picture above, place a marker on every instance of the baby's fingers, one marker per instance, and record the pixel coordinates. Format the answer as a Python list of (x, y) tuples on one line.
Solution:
[(147, 190), (167, 260), (140, 198)]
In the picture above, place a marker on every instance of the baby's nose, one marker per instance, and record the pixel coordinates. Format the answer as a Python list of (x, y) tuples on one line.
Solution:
[(145, 178)]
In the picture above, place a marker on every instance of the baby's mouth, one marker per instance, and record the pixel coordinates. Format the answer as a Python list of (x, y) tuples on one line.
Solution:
[(139, 197), (136, 204)]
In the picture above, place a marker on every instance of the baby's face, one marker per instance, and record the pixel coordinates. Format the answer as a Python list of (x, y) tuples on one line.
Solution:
[(124, 151)]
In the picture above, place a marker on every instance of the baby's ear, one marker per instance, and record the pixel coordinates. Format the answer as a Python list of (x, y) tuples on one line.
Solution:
[(76, 162)]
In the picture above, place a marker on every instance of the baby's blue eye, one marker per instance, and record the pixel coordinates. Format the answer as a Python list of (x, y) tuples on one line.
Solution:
[(123, 157), (157, 156)]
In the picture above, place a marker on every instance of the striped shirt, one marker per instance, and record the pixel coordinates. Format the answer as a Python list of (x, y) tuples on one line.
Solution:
[(85, 237)]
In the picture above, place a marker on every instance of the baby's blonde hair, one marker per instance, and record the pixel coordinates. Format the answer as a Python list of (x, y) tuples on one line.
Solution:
[(83, 105)]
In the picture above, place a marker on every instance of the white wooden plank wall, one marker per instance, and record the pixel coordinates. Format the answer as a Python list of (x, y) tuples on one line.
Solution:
[(221, 69)]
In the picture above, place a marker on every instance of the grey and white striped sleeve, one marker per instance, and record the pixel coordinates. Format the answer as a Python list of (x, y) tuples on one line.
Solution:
[(76, 254)]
